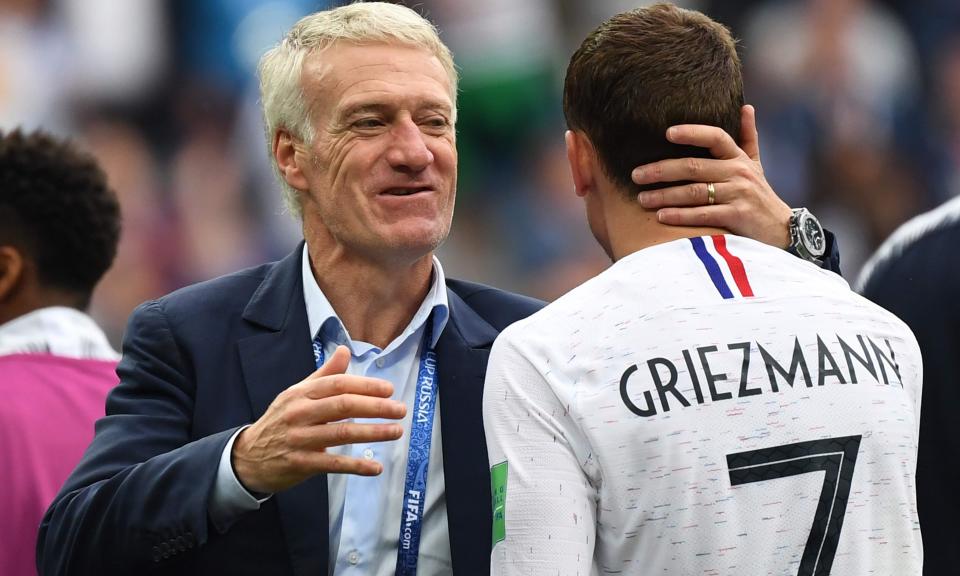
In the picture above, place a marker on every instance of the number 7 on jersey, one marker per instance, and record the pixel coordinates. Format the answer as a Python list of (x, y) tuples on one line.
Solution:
[(834, 456)]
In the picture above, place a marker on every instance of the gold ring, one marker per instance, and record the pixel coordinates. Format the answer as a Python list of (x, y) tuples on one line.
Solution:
[(711, 193)]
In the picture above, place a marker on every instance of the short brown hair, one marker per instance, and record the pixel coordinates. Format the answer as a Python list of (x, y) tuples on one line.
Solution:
[(645, 70)]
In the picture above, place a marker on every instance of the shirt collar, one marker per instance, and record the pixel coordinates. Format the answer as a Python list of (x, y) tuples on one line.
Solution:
[(56, 330), (321, 315)]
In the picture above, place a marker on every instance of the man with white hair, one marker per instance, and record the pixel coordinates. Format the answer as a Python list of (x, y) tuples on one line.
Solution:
[(255, 427)]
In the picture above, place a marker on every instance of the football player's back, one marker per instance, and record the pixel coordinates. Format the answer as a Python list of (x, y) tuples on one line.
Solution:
[(708, 406)]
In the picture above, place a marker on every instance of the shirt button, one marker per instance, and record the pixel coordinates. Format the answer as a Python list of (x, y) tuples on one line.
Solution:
[(353, 557), (379, 362), (368, 454)]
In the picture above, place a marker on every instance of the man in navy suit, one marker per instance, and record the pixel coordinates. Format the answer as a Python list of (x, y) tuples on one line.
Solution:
[(284, 419)]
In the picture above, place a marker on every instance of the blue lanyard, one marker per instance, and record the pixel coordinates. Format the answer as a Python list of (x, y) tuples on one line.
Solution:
[(418, 453)]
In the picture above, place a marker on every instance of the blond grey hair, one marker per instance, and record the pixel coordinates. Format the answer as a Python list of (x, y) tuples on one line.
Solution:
[(281, 68)]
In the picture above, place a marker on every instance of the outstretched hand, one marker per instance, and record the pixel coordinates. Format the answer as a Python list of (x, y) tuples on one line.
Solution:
[(744, 203), (288, 443)]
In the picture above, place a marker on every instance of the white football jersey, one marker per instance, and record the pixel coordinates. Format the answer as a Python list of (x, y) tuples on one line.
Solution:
[(708, 406)]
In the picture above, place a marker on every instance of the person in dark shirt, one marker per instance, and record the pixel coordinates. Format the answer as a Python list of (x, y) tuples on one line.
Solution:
[(916, 275)]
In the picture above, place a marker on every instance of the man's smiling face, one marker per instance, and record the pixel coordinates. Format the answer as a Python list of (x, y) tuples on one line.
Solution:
[(383, 168)]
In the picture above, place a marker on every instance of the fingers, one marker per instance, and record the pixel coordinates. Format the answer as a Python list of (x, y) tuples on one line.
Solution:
[(321, 462), (342, 433), (310, 444), (336, 364), (680, 169), (347, 406), (318, 386), (749, 137), (693, 194), (331, 380), (717, 216), (720, 143), (341, 397)]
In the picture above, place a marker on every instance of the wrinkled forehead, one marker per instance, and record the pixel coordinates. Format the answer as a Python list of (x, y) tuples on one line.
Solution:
[(344, 70)]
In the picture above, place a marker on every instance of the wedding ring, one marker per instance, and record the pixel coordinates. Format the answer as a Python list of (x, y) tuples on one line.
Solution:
[(711, 193)]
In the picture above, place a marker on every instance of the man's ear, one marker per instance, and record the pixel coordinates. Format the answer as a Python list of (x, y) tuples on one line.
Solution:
[(290, 155), (11, 271), (582, 161)]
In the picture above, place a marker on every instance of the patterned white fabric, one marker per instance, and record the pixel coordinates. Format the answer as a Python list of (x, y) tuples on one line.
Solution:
[(761, 418)]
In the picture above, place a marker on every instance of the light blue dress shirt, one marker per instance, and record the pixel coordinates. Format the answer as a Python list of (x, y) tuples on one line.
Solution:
[(365, 511)]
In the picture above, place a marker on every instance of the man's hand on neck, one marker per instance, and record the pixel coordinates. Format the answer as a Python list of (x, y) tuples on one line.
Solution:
[(632, 228)]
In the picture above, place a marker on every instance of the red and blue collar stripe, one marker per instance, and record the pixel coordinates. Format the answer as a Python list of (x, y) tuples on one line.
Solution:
[(734, 267)]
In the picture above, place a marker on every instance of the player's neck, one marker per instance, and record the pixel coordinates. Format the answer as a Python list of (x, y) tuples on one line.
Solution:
[(631, 228), (34, 296), (374, 302)]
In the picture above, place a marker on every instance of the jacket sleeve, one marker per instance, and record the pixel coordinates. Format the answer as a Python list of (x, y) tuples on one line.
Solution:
[(138, 498), (831, 257)]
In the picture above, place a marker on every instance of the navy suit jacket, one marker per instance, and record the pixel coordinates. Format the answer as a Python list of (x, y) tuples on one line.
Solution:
[(917, 277), (201, 362)]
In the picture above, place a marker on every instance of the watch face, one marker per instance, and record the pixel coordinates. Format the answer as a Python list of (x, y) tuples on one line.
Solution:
[(811, 234)]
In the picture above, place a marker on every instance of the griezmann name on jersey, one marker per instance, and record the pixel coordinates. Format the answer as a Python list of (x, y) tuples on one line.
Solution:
[(706, 406)]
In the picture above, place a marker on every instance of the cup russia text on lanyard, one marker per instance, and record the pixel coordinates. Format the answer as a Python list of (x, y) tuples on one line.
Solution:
[(418, 453)]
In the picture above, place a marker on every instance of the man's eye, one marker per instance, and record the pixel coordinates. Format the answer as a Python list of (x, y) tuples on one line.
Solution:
[(368, 123), (437, 122)]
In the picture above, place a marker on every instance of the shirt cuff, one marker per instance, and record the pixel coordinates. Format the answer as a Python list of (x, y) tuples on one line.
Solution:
[(230, 500)]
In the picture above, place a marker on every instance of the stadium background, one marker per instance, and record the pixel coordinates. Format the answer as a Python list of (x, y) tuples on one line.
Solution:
[(858, 105)]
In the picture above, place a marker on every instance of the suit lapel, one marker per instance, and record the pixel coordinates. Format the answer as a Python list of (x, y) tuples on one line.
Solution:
[(462, 352), (276, 357)]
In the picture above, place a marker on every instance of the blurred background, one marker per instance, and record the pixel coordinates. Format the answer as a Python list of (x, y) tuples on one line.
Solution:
[(858, 104)]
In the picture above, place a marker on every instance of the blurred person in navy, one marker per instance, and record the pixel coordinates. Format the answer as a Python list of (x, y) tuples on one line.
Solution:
[(59, 227), (916, 275), (254, 429)]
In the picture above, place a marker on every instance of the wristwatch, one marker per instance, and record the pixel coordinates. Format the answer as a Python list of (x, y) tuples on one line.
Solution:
[(806, 236)]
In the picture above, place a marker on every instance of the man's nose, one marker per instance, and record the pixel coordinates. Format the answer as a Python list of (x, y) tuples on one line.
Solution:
[(408, 150)]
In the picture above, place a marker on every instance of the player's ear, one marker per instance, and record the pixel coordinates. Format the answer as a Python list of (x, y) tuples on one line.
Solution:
[(11, 270), (291, 156), (581, 157)]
